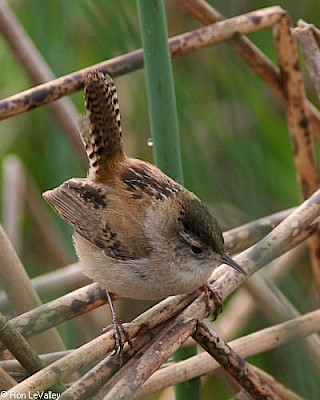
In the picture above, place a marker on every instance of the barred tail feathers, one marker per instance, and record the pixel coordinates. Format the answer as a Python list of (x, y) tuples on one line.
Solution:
[(101, 126)]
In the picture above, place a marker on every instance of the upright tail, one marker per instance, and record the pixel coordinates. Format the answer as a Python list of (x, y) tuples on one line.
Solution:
[(101, 126)]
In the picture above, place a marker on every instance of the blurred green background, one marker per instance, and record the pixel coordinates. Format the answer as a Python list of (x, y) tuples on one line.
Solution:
[(236, 151)]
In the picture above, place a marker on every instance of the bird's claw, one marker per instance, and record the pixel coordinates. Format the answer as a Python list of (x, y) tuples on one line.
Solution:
[(213, 295), (120, 336)]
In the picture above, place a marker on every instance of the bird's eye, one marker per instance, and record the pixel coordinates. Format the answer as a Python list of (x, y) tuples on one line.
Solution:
[(196, 250)]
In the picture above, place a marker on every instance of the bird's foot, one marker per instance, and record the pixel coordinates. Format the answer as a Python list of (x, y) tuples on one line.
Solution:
[(121, 336), (213, 295)]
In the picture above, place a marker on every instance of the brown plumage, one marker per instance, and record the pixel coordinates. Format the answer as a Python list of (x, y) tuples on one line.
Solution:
[(100, 128), (137, 232)]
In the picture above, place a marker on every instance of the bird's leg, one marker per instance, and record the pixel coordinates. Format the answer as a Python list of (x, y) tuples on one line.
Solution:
[(215, 296), (120, 334)]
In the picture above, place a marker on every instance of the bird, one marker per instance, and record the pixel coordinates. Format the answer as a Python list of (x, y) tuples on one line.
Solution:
[(137, 232)]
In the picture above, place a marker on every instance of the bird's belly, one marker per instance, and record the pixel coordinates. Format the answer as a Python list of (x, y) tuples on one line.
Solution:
[(142, 279)]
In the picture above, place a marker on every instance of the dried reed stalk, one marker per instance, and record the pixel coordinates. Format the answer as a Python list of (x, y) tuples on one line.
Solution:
[(298, 118), (179, 45), (38, 70), (254, 57), (21, 293), (257, 342), (308, 37), (292, 231), (233, 363)]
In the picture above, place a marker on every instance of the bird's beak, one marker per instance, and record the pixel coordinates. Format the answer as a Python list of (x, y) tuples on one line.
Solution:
[(226, 259)]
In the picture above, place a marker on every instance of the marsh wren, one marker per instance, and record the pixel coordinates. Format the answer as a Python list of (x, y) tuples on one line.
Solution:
[(137, 232)]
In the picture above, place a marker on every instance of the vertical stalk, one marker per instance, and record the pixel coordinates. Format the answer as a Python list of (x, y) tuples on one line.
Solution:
[(160, 88), (163, 123)]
